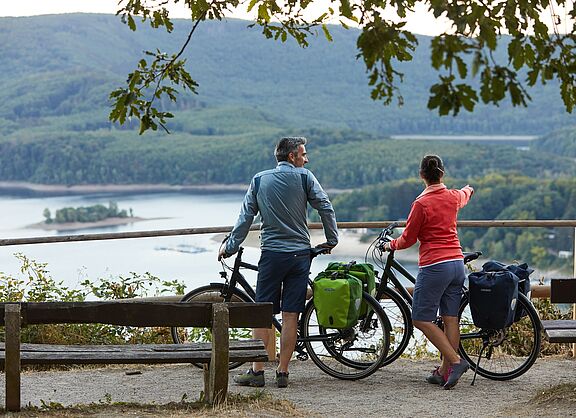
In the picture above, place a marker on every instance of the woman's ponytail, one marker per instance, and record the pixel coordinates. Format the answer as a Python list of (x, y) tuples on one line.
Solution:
[(432, 169)]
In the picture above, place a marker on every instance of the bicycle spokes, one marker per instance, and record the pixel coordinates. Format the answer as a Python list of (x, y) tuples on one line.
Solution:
[(504, 353)]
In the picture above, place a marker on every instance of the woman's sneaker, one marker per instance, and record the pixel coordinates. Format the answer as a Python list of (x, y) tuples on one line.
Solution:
[(455, 372), (436, 377), (250, 378), (281, 379)]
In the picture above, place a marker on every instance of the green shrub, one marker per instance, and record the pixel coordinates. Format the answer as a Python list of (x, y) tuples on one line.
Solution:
[(34, 284)]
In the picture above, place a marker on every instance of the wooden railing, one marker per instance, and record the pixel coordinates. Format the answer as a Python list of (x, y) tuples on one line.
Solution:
[(538, 291), (225, 229)]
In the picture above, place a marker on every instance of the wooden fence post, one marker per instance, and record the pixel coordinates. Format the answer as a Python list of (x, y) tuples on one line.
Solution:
[(12, 362), (574, 305), (220, 354)]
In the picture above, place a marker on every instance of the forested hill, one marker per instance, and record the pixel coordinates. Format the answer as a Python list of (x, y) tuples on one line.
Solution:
[(56, 72), (560, 142), (340, 160)]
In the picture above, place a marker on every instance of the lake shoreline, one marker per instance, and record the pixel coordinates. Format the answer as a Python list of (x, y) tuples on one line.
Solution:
[(22, 188), (74, 226), (35, 189)]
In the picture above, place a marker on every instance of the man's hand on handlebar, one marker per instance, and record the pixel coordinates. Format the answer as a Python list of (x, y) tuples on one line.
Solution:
[(222, 253), (326, 246)]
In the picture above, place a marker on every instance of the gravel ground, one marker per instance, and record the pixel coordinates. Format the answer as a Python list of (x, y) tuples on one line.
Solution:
[(398, 390)]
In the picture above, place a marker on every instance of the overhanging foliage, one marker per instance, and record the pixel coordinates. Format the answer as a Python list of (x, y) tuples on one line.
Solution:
[(461, 53)]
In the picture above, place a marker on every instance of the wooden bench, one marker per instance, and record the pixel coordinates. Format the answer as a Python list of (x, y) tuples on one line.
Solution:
[(215, 356), (561, 331)]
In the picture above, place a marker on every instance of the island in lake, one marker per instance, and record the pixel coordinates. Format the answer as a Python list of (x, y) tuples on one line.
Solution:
[(84, 217)]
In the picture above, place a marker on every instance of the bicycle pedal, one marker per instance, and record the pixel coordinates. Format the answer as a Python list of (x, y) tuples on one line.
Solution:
[(302, 357)]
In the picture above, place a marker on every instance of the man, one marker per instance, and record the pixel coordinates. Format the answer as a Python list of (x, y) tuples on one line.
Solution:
[(281, 196)]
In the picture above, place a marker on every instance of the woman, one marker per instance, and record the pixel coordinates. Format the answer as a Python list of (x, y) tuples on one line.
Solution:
[(432, 221)]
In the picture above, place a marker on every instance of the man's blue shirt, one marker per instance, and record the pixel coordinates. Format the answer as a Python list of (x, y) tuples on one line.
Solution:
[(281, 196)]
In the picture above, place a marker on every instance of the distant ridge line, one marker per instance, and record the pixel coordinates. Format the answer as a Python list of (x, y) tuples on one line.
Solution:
[(467, 137)]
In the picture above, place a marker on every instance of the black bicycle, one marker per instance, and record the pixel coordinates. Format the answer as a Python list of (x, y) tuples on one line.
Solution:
[(500, 354), (348, 354)]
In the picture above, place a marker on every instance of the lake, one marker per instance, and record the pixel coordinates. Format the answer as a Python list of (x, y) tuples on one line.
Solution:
[(189, 258)]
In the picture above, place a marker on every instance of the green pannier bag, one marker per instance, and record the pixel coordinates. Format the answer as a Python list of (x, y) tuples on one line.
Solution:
[(337, 299), (364, 272)]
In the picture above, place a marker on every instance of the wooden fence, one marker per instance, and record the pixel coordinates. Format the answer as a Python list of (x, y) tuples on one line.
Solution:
[(538, 291)]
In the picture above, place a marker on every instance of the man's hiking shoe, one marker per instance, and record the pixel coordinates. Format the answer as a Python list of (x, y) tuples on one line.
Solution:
[(455, 372), (281, 379), (436, 377), (250, 378)]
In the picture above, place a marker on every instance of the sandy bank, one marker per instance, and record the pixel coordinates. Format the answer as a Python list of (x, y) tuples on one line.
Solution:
[(350, 245)]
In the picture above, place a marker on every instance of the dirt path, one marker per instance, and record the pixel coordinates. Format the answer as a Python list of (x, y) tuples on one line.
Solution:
[(398, 390)]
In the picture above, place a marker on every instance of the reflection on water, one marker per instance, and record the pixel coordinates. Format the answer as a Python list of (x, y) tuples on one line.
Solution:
[(183, 248)]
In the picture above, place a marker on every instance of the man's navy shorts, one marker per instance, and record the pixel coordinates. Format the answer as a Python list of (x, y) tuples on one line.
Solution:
[(283, 279), (438, 286)]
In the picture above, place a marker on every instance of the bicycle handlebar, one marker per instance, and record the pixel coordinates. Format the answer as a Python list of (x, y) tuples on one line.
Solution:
[(385, 235), (316, 251), (386, 232)]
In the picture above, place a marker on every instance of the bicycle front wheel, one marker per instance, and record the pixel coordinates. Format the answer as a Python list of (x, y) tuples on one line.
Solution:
[(506, 353), (352, 353), (401, 329), (210, 293)]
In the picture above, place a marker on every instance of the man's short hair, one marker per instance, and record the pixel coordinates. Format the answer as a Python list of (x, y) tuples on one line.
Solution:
[(287, 145)]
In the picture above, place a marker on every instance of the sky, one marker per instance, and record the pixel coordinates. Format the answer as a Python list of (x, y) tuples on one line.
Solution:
[(418, 22)]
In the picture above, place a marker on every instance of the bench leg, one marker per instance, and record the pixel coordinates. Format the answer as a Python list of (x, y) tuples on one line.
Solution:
[(206, 375), (218, 380), (12, 363)]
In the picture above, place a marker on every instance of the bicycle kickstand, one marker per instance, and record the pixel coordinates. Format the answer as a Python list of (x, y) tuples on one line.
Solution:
[(484, 345)]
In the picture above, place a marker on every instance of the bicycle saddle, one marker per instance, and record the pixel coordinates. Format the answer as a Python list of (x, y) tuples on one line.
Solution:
[(471, 256)]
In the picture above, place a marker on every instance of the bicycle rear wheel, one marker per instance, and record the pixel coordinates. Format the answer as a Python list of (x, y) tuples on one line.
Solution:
[(210, 293), (401, 329), (508, 352), (348, 354)]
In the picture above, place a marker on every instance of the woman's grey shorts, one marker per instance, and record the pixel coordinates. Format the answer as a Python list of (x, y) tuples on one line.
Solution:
[(438, 286)]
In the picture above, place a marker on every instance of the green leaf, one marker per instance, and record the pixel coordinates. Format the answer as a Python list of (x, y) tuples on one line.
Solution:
[(252, 4), (263, 13), (477, 63), (327, 33), (462, 68), (131, 23), (345, 9)]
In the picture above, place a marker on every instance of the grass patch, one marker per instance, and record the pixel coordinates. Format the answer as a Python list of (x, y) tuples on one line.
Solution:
[(257, 403), (559, 394)]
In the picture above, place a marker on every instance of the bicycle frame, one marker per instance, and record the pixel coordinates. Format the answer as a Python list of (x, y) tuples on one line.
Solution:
[(389, 274), (237, 279), (349, 354), (490, 345)]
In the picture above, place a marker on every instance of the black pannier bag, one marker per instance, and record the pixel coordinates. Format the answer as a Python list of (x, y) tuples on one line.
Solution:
[(493, 297), (523, 272)]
